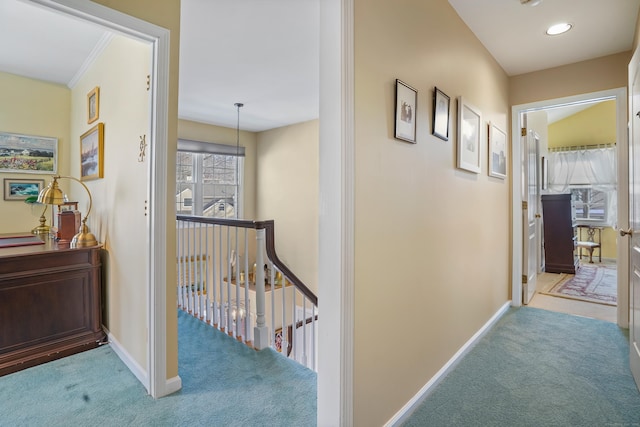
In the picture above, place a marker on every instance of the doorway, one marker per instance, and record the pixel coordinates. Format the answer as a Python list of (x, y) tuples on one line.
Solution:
[(554, 108), (151, 330)]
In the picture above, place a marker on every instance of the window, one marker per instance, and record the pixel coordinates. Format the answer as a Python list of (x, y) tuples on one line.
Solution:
[(209, 179), (590, 204)]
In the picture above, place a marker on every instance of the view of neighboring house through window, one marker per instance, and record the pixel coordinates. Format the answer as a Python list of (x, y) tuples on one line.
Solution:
[(209, 179), (590, 204)]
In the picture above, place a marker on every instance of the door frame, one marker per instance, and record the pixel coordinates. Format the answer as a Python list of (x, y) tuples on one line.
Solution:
[(154, 378), (622, 145)]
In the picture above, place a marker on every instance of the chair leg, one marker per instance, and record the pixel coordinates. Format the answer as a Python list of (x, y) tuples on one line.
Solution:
[(590, 255)]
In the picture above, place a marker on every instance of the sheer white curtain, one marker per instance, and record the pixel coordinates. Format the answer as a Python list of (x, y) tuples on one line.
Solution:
[(595, 167)]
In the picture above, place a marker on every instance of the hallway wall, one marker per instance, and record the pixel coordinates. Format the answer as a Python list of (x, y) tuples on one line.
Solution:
[(427, 275)]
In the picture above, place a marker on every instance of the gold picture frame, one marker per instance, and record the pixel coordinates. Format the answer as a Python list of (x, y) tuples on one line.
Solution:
[(92, 153), (93, 105)]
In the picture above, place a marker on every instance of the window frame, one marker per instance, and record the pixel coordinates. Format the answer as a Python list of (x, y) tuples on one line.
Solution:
[(589, 206), (198, 151)]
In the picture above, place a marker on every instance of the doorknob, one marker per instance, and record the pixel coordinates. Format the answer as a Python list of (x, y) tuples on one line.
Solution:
[(538, 216), (627, 232)]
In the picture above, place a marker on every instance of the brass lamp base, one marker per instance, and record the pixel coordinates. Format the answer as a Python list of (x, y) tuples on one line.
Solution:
[(84, 238), (43, 228)]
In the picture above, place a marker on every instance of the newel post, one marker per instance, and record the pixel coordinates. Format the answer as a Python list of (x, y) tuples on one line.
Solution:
[(260, 331)]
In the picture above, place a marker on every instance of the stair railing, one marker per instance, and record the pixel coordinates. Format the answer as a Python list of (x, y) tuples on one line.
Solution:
[(265, 305)]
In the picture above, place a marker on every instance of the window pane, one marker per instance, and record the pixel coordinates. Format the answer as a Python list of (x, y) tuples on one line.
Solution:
[(213, 191), (184, 198), (184, 167)]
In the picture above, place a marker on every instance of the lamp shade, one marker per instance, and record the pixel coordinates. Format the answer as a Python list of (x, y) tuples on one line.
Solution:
[(52, 195)]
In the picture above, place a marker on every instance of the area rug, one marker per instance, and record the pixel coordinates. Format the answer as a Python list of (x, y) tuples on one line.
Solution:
[(592, 282)]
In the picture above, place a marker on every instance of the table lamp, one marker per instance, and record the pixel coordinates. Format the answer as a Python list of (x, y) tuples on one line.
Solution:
[(52, 195)]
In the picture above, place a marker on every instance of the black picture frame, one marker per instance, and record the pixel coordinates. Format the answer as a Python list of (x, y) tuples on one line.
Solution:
[(405, 112), (441, 114)]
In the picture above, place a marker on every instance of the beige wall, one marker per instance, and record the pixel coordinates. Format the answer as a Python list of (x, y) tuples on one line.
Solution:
[(118, 218), (166, 14), (608, 72), (287, 192), (221, 135), (32, 107), (432, 243)]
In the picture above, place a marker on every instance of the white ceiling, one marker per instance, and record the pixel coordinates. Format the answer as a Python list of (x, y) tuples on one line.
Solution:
[(515, 33), (265, 53)]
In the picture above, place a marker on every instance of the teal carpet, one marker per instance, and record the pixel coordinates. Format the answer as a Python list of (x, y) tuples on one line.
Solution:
[(538, 368), (224, 384)]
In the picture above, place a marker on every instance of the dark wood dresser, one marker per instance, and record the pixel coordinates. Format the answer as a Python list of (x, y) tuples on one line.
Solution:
[(559, 234), (50, 303)]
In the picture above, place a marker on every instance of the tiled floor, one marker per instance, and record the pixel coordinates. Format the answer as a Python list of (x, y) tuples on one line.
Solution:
[(565, 305)]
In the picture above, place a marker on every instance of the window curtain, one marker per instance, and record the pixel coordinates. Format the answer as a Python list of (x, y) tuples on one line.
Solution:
[(594, 167)]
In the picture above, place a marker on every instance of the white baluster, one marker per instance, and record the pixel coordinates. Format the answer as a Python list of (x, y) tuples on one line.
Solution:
[(261, 331), (247, 306)]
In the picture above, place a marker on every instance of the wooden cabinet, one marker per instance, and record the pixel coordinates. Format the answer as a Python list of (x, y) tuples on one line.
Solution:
[(50, 303), (559, 234)]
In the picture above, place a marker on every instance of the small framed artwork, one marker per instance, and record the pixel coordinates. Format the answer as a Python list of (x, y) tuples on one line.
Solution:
[(92, 153), (93, 105), (469, 129), (279, 339), (441, 104), (406, 105), (20, 189), (28, 154), (497, 152)]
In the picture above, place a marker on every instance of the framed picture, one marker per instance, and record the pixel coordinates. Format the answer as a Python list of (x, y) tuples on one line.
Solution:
[(497, 152), (20, 189), (406, 104), (29, 154), (279, 338), (93, 105), (92, 153), (441, 104), (469, 129)]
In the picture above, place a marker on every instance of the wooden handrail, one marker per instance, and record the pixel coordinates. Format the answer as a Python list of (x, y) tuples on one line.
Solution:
[(269, 227)]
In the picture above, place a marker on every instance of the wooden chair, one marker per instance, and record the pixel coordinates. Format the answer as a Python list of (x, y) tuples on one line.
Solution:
[(592, 241)]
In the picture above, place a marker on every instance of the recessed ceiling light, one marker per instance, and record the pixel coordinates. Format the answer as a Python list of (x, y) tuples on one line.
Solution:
[(556, 29), (531, 2)]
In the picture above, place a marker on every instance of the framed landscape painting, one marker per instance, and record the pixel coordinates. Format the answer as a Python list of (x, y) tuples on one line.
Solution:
[(20, 189), (92, 153), (28, 154)]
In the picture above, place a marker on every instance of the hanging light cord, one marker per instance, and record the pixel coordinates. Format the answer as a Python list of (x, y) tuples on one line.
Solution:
[(238, 106)]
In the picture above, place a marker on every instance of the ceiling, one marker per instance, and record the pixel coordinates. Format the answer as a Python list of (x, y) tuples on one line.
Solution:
[(243, 50), (515, 33)]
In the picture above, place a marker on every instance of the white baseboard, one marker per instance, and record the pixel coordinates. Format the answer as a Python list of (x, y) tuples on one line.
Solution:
[(172, 385), (411, 405), (137, 370)]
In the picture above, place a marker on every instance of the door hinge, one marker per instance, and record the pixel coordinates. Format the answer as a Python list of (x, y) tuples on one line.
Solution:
[(523, 131), (525, 205), (525, 279), (148, 82)]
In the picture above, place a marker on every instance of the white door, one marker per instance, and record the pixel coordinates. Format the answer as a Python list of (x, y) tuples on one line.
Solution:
[(634, 224), (530, 214)]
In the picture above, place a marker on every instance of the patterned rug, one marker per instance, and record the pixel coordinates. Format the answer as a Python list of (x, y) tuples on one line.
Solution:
[(592, 282)]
